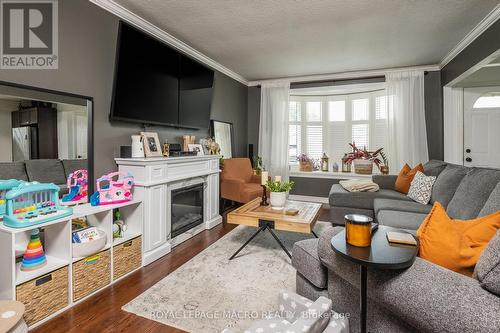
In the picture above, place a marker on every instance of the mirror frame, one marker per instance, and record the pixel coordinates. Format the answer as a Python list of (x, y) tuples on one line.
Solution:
[(212, 134), (90, 124)]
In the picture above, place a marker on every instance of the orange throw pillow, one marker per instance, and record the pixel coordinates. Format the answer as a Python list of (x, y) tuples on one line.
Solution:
[(405, 177), (455, 244)]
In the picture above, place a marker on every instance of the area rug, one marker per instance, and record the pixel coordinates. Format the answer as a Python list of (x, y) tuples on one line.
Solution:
[(210, 292)]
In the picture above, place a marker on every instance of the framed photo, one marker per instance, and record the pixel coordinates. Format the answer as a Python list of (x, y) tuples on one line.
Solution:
[(152, 147), (197, 148)]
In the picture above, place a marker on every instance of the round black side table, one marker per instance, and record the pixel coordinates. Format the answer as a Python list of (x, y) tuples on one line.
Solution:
[(380, 254)]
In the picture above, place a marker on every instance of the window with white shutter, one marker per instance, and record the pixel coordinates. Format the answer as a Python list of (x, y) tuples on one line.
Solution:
[(326, 124)]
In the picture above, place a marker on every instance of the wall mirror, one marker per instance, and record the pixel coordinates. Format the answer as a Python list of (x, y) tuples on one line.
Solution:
[(45, 136), (223, 133)]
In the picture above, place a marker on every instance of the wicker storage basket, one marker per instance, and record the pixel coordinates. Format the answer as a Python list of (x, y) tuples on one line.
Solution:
[(127, 257), (91, 274), (44, 295)]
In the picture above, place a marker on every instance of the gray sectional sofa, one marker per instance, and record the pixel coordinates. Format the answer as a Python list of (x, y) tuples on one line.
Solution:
[(43, 171), (424, 297)]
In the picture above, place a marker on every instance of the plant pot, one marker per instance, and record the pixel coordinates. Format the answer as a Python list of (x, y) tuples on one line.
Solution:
[(306, 166), (278, 200), (384, 169), (363, 167)]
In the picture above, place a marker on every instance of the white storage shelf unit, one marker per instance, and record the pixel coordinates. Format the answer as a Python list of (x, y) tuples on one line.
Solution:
[(57, 242)]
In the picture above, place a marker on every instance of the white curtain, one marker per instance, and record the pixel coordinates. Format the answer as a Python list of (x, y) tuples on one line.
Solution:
[(407, 132), (273, 127)]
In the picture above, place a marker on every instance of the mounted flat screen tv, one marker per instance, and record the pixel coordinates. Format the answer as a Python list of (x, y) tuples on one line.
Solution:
[(157, 85)]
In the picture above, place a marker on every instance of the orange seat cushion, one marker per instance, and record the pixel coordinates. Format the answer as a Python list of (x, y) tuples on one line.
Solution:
[(406, 176), (249, 192), (455, 244)]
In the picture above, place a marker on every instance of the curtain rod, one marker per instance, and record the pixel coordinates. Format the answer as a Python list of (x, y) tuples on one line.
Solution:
[(346, 94)]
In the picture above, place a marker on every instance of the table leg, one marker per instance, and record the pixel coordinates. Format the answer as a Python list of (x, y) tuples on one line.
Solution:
[(279, 242), (314, 234), (262, 228), (362, 298)]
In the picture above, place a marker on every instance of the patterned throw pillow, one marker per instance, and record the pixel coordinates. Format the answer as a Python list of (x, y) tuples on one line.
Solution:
[(421, 188)]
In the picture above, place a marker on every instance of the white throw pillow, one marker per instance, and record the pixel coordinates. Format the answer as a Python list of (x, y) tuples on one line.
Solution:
[(421, 188)]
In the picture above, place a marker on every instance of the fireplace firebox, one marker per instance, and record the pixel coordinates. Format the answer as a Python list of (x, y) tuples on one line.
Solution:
[(186, 208)]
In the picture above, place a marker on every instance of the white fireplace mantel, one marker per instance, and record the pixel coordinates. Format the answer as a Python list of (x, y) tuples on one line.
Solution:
[(154, 178)]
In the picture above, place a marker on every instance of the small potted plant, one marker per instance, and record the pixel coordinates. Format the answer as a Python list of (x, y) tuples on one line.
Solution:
[(305, 163), (384, 169), (363, 160), (257, 165), (279, 191)]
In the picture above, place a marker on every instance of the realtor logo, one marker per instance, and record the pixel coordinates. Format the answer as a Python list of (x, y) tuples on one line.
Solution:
[(29, 36)]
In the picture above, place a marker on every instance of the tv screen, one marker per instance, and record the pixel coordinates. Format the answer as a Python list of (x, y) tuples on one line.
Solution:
[(154, 84)]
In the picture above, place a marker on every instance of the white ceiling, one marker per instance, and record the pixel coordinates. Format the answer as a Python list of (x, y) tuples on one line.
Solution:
[(264, 39)]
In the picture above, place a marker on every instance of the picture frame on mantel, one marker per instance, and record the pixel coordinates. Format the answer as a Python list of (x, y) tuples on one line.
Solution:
[(222, 132), (152, 147)]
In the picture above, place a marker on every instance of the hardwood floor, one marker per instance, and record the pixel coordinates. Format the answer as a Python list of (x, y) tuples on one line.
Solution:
[(102, 312)]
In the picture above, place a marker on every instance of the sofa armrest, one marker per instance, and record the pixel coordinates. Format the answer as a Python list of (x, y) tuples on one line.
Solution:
[(385, 181), (428, 297)]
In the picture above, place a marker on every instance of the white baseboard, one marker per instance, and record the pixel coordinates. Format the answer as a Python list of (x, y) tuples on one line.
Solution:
[(213, 222), (157, 253), (308, 198)]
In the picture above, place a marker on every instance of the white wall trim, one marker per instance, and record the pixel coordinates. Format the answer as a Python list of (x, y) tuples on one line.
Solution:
[(453, 113), (139, 22), (482, 26), (346, 75)]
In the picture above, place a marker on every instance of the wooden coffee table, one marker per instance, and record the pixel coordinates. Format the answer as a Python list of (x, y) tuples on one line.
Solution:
[(266, 218)]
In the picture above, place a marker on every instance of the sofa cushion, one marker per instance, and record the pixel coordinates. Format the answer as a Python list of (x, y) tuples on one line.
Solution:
[(306, 260), (421, 188), (404, 220), (455, 244), (73, 165), (340, 197), (487, 270), (13, 170), (472, 193), (493, 203), (400, 206), (447, 183), (405, 178), (46, 171), (434, 167)]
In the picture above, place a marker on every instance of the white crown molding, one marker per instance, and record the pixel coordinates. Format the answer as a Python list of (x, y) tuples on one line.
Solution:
[(153, 30), (346, 75), (482, 26)]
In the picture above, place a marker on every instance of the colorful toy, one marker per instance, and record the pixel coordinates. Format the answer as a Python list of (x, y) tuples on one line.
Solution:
[(119, 226), (111, 191), (34, 257), (5, 186), (77, 185), (33, 203)]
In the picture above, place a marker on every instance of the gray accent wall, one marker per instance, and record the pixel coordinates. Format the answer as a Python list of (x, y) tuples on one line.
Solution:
[(87, 42), (482, 47), (434, 115), (253, 117)]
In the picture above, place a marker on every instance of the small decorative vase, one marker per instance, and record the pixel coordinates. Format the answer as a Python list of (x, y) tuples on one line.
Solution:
[(305, 166), (363, 167), (278, 200), (384, 169)]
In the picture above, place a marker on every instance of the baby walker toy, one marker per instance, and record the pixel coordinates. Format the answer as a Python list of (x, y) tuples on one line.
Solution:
[(5, 186), (33, 203), (77, 185), (34, 257), (113, 191)]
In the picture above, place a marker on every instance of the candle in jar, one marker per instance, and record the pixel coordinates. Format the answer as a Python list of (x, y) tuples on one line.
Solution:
[(264, 176), (277, 178)]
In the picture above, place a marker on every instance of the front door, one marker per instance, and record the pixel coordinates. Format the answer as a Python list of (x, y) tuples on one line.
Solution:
[(482, 127)]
